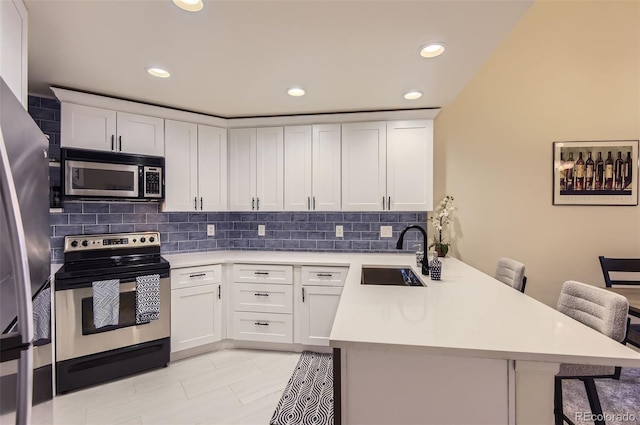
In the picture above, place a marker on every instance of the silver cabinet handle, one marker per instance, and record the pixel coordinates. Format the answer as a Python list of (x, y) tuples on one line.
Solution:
[(201, 203), (308, 202), (197, 275), (383, 203), (253, 204), (302, 294), (314, 203), (120, 140), (258, 204), (259, 294), (195, 203), (113, 142), (261, 323)]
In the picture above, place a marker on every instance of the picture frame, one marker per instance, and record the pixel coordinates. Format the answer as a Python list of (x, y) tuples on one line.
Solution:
[(601, 172)]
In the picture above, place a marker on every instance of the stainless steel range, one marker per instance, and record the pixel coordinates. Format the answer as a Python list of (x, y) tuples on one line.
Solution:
[(113, 306)]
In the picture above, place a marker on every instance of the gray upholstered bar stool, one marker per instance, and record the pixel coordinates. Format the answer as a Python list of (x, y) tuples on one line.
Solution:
[(603, 311), (511, 272)]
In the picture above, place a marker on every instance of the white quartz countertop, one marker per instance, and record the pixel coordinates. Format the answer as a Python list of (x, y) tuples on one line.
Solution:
[(467, 313)]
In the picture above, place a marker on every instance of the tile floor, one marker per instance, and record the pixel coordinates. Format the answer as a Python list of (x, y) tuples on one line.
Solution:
[(225, 387)]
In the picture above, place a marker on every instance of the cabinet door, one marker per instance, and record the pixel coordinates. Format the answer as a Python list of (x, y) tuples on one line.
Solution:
[(140, 134), (319, 308), (181, 166), (326, 168), (270, 169), (212, 168), (297, 168), (410, 165), (13, 47), (196, 317), (364, 161), (242, 169), (87, 127)]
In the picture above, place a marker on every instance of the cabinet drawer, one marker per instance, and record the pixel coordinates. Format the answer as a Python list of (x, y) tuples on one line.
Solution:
[(256, 273), (324, 276), (263, 327), (263, 297), (196, 276)]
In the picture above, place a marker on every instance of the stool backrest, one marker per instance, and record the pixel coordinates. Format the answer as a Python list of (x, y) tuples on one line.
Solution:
[(597, 308), (511, 272)]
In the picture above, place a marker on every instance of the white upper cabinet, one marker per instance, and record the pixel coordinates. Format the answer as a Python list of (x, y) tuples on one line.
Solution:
[(398, 156), (13, 47), (195, 167), (364, 159), (212, 168), (312, 168), (256, 169), (181, 166), (88, 127), (410, 165)]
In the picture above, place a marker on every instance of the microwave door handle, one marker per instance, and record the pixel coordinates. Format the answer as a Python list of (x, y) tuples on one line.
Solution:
[(17, 239)]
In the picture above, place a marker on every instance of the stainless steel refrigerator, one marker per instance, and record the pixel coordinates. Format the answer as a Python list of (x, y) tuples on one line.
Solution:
[(24, 260)]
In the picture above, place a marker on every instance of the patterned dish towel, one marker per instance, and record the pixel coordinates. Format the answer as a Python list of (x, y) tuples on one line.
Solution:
[(147, 298), (106, 303), (42, 315)]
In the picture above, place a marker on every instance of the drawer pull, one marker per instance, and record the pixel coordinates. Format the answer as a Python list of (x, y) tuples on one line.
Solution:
[(262, 273), (261, 323), (197, 275), (258, 294), (324, 274)]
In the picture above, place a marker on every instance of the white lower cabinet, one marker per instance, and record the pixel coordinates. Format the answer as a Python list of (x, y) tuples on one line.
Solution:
[(262, 303), (321, 291), (196, 306)]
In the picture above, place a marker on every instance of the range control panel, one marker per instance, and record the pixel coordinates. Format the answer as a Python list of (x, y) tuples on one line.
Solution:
[(109, 241)]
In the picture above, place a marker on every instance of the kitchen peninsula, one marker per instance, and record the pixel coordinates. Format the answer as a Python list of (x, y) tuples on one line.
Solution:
[(466, 349)]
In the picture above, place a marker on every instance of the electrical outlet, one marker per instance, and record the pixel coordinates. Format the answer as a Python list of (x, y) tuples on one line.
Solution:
[(386, 231), (211, 229), (339, 231), (261, 229)]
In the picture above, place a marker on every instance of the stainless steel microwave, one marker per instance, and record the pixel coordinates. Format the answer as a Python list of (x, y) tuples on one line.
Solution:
[(88, 174)]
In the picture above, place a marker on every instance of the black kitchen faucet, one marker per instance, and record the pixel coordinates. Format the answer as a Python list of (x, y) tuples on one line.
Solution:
[(425, 261)]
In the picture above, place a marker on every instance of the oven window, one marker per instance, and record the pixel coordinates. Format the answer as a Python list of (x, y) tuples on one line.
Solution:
[(100, 179), (127, 314)]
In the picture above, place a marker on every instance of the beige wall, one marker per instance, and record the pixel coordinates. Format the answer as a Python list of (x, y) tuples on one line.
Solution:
[(568, 71)]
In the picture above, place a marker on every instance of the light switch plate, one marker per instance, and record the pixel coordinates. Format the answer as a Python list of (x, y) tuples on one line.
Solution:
[(261, 229), (211, 229), (386, 231), (339, 232)]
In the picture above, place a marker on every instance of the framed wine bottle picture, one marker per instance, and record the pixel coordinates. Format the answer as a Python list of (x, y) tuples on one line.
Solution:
[(595, 173)]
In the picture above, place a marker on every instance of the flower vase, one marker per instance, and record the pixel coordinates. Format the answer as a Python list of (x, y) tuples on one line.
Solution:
[(441, 249)]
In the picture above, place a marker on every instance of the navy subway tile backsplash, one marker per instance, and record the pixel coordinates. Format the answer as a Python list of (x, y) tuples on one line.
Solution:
[(187, 232)]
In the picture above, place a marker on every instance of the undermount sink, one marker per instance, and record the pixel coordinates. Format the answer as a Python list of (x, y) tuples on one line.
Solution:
[(398, 276)]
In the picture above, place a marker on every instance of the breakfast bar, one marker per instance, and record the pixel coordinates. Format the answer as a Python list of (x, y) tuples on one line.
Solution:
[(465, 349)]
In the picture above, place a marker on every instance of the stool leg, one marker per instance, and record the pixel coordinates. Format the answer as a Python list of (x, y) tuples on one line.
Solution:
[(557, 401), (594, 400)]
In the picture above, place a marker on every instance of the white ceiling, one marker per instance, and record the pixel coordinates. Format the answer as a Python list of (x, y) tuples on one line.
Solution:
[(237, 58)]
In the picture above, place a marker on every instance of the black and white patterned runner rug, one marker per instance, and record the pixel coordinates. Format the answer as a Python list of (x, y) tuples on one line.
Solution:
[(308, 397)]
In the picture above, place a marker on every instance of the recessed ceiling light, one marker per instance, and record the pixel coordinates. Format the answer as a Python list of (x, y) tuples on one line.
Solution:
[(158, 72), (413, 95), (189, 5), (296, 91), (432, 50)]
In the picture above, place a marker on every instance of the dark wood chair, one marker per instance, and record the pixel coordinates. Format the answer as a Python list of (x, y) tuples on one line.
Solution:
[(631, 268)]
